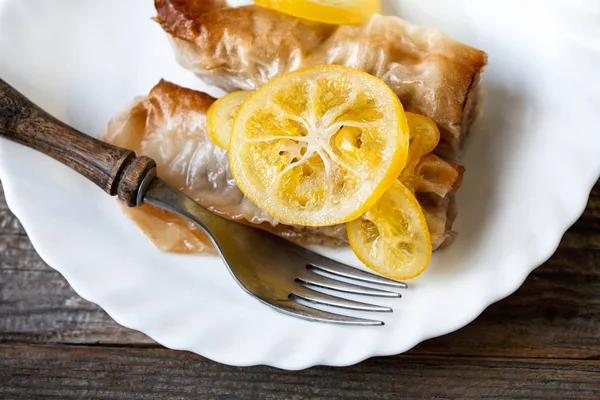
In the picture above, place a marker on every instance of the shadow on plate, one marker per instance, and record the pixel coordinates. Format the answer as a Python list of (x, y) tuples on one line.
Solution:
[(489, 152), (389, 8)]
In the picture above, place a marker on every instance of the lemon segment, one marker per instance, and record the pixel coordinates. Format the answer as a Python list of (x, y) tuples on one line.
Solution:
[(221, 115), (424, 138), (319, 146), (328, 11), (392, 237)]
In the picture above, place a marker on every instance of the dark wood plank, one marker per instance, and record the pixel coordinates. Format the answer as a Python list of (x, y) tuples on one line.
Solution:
[(9, 225), (37, 304), (555, 314), (76, 372), (541, 343)]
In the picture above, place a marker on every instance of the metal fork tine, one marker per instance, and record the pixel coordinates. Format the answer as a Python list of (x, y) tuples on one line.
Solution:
[(324, 282), (293, 308), (303, 295), (268, 266), (336, 268)]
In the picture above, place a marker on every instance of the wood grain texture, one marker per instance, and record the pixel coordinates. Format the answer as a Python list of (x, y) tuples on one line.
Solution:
[(115, 170), (68, 372), (542, 342)]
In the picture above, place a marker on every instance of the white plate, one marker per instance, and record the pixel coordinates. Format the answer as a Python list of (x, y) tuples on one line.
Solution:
[(531, 161)]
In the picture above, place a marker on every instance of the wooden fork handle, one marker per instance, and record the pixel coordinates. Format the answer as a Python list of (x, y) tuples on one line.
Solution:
[(116, 170)]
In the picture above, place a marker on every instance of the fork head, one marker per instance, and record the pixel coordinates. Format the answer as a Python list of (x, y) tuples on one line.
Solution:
[(287, 277)]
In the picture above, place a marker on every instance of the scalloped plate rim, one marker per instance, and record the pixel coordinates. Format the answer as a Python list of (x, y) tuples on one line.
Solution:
[(528, 257)]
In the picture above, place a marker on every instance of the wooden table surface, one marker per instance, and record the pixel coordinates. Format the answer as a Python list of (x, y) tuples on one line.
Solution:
[(542, 342)]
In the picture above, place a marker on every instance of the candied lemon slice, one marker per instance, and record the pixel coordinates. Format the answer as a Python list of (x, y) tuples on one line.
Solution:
[(392, 238), (319, 146), (328, 11), (424, 138), (221, 115)]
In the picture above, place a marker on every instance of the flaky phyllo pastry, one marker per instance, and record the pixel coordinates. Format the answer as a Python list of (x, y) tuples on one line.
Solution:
[(169, 125), (243, 48)]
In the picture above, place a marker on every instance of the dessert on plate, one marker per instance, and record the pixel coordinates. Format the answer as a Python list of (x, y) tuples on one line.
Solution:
[(243, 48), (334, 135)]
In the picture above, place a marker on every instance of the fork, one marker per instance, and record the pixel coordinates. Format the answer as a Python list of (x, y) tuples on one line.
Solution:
[(280, 274)]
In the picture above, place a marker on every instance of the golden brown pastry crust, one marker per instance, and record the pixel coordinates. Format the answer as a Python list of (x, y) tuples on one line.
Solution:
[(438, 176), (245, 47), (178, 12), (169, 126), (439, 181)]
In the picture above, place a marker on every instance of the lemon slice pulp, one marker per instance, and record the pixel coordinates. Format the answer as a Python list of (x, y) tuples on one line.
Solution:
[(319, 146), (221, 115), (424, 138), (392, 237)]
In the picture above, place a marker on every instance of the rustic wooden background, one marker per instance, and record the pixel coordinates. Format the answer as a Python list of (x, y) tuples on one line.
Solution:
[(542, 342)]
